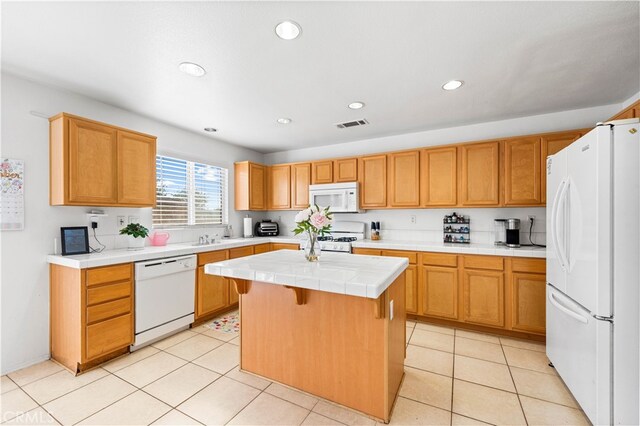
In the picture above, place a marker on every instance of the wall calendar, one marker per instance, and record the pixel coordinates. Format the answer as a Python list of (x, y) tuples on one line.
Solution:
[(11, 195)]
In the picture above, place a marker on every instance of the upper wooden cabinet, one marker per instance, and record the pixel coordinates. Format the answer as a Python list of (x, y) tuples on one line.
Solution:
[(372, 175), (300, 180), (345, 170), (404, 179), (438, 177), (479, 174), (322, 172), (551, 144), (522, 170), (95, 164), (632, 111), (250, 186), (279, 187)]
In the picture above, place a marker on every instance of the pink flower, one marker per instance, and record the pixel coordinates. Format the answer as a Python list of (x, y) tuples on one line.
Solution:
[(319, 220)]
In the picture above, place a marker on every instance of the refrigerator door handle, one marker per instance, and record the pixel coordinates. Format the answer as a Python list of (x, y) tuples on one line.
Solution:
[(555, 214), (576, 316)]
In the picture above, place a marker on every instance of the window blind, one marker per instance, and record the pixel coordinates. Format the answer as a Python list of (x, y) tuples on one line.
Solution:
[(189, 193)]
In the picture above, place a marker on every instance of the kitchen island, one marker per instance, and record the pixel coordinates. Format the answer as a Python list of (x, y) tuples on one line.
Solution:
[(335, 329)]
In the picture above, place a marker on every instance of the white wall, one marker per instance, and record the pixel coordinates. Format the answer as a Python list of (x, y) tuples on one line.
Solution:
[(566, 120), (24, 272)]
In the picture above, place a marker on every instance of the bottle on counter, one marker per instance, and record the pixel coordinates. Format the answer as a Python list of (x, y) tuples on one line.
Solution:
[(375, 231)]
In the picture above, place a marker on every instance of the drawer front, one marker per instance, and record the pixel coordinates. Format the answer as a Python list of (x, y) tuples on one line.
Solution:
[(212, 256), (107, 336), (440, 259), (107, 293), (108, 310), (261, 248), (411, 255), (240, 252), (537, 266), (370, 252), (284, 246), (109, 274), (495, 263)]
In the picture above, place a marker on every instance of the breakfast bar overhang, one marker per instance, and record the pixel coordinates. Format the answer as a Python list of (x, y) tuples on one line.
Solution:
[(334, 328)]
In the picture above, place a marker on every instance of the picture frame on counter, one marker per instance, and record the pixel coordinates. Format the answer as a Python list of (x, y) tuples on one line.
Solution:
[(75, 240)]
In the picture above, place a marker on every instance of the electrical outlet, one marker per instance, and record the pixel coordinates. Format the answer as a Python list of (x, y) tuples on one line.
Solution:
[(531, 217), (122, 221), (134, 219), (412, 218)]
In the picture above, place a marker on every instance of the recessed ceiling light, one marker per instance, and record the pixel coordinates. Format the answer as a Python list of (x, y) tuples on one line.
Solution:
[(192, 69), (452, 85), (356, 105), (210, 129), (288, 30), (284, 120)]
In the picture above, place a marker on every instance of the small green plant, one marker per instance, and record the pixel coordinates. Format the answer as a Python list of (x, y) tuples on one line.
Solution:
[(135, 230)]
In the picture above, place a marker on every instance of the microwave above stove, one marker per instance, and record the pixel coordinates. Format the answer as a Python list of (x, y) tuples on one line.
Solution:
[(340, 197)]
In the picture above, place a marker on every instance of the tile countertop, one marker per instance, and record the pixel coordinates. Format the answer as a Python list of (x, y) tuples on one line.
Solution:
[(441, 247), (342, 273), (112, 257)]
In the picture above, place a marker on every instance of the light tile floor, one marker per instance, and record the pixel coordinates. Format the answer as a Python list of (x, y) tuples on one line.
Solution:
[(452, 377)]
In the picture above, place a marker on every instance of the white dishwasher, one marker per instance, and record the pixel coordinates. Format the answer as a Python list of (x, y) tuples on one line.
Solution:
[(164, 297)]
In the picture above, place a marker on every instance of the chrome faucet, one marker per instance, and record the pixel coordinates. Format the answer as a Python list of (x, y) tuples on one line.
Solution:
[(204, 239)]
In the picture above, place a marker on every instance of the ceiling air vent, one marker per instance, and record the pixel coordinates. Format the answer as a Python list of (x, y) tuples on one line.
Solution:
[(352, 124)]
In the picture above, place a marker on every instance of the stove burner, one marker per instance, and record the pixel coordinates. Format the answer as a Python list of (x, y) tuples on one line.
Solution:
[(345, 239)]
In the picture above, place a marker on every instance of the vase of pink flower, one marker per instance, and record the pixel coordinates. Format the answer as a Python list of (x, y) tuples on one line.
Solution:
[(314, 221)]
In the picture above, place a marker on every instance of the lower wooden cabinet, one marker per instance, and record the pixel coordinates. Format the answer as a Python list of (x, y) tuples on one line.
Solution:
[(439, 291), (411, 278), (528, 292), (483, 297), (91, 314), (212, 293), (284, 246)]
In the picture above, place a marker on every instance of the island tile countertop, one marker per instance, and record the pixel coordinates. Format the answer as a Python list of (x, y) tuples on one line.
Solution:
[(112, 257), (343, 273)]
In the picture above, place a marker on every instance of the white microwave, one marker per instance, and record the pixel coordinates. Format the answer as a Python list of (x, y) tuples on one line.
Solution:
[(340, 197)]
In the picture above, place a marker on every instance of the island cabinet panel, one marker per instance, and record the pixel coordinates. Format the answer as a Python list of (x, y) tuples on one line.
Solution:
[(372, 175), (300, 180), (479, 174), (91, 314), (345, 170), (552, 144), (322, 172), (136, 169), (358, 367), (404, 179), (96, 164), (279, 187), (439, 177), (411, 278), (250, 186), (522, 170)]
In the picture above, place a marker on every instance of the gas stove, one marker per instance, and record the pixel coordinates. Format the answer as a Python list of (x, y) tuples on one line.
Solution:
[(341, 236)]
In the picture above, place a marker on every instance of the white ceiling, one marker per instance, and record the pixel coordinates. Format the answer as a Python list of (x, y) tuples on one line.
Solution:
[(516, 58)]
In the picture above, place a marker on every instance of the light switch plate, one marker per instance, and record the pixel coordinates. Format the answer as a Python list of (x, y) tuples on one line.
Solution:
[(122, 221)]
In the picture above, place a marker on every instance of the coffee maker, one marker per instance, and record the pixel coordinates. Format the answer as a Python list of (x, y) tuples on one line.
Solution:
[(507, 232)]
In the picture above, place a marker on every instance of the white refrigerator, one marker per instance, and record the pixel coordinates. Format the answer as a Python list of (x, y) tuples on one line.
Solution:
[(593, 272)]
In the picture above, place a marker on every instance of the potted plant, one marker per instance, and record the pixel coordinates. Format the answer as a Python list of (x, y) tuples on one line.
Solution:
[(136, 234), (314, 221)]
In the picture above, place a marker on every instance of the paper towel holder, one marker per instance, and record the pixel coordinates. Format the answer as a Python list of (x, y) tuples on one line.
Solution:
[(248, 227)]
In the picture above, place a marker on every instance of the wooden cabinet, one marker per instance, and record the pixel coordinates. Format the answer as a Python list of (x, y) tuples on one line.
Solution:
[(528, 291), (250, 186), (284, 246), (322, 172), (300, 180), (438, 177), (551, 144), (279, 187), (95, 164), (483, 291), (632, 111), (522, 171), (136, 169), (372, 175), (91, 314), (262, 248), (366, 251), (345, 170), (404, 179), (439, 285), (411, 278), (479, 174), (212, 292)]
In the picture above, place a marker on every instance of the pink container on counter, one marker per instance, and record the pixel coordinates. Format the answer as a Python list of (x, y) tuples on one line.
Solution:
[(159, 238)]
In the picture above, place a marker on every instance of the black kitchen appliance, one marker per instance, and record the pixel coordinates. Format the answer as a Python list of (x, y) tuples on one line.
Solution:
[(513, 232), (266, 228)]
